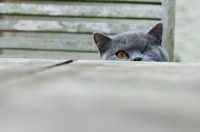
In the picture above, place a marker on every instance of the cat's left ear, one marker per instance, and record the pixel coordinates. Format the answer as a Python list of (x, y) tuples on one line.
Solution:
[(101, 41), (157, 31), (100, 38)]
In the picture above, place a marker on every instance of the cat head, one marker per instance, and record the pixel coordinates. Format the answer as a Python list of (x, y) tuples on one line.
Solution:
[(132, 46)]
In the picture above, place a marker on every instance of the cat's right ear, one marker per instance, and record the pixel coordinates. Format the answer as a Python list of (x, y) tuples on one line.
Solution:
[(157, 32), (101, 40)]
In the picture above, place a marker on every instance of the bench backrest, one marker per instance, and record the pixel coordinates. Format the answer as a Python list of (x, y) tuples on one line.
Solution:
[(63, 29)]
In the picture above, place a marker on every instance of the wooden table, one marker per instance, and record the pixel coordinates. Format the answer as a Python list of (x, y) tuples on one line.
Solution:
[(99, 96)]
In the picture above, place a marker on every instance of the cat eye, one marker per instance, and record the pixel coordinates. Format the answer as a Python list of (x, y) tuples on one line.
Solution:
[(122, 54)]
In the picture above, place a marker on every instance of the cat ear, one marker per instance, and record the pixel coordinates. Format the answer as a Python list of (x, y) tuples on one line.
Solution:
[(101, 40), (157, 31)]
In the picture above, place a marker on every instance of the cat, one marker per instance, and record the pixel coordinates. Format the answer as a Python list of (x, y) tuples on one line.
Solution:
[(133, 46)]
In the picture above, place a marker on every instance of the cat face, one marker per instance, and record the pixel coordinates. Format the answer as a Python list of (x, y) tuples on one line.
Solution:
[(132, 46)]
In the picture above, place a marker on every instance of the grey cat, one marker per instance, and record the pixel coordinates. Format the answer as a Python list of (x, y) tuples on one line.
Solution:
[(133, 46)]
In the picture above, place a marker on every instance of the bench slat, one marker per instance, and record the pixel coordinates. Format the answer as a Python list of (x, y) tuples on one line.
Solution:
[(145, 1), (131, 0), (72, 27), (112, 11), (42, 35), (48, 44), (48, 54)]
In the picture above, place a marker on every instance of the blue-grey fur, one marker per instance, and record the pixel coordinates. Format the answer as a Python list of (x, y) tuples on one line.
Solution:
[(146, 46)]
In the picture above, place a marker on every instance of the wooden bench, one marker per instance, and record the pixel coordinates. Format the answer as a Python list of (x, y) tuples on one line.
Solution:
[(99, 96), (63, 29)]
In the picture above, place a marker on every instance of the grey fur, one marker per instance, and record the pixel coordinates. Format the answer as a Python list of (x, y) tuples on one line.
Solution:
[(146, 46)]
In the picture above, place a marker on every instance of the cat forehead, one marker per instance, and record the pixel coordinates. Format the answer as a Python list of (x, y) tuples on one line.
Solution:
[(131, 39), (131, 36)]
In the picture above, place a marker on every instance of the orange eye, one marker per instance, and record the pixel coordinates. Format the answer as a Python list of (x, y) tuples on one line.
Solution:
[(122, 54)]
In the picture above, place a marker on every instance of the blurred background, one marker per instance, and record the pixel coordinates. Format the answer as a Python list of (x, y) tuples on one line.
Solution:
[(187, 31)]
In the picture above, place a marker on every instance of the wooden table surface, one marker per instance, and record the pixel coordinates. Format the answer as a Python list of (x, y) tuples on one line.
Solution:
[(98, 96)]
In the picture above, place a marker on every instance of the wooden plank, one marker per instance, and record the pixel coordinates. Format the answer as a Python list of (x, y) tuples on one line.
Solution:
[(42, 35), (146, 1), (24, 67), (72, 27), (48, 44), (112, 11), (75, 19), (149, 1), (100, 23), (105, 96), (7, 64), (49, 54), (169, 26)]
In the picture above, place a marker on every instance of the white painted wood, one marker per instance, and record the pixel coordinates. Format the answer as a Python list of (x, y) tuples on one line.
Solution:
[(169, 26), (74, 26), (124, 1), (48, 44), (100, 10), (38, 54)]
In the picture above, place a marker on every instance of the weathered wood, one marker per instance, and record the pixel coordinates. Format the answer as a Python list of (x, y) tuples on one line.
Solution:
[(104, 96), (7, 64), (113, 11), (169, 26), (11, 69), (46, 35), (72, 27), (124, 1), (48, 44), (151, 1), (49, 54)]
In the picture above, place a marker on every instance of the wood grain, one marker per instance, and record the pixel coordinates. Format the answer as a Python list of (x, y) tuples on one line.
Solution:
[(124, 1), (105, 96), (169, 27), (48, 44), (39, 54), (13, 68), (74, 26), (113, 11)]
